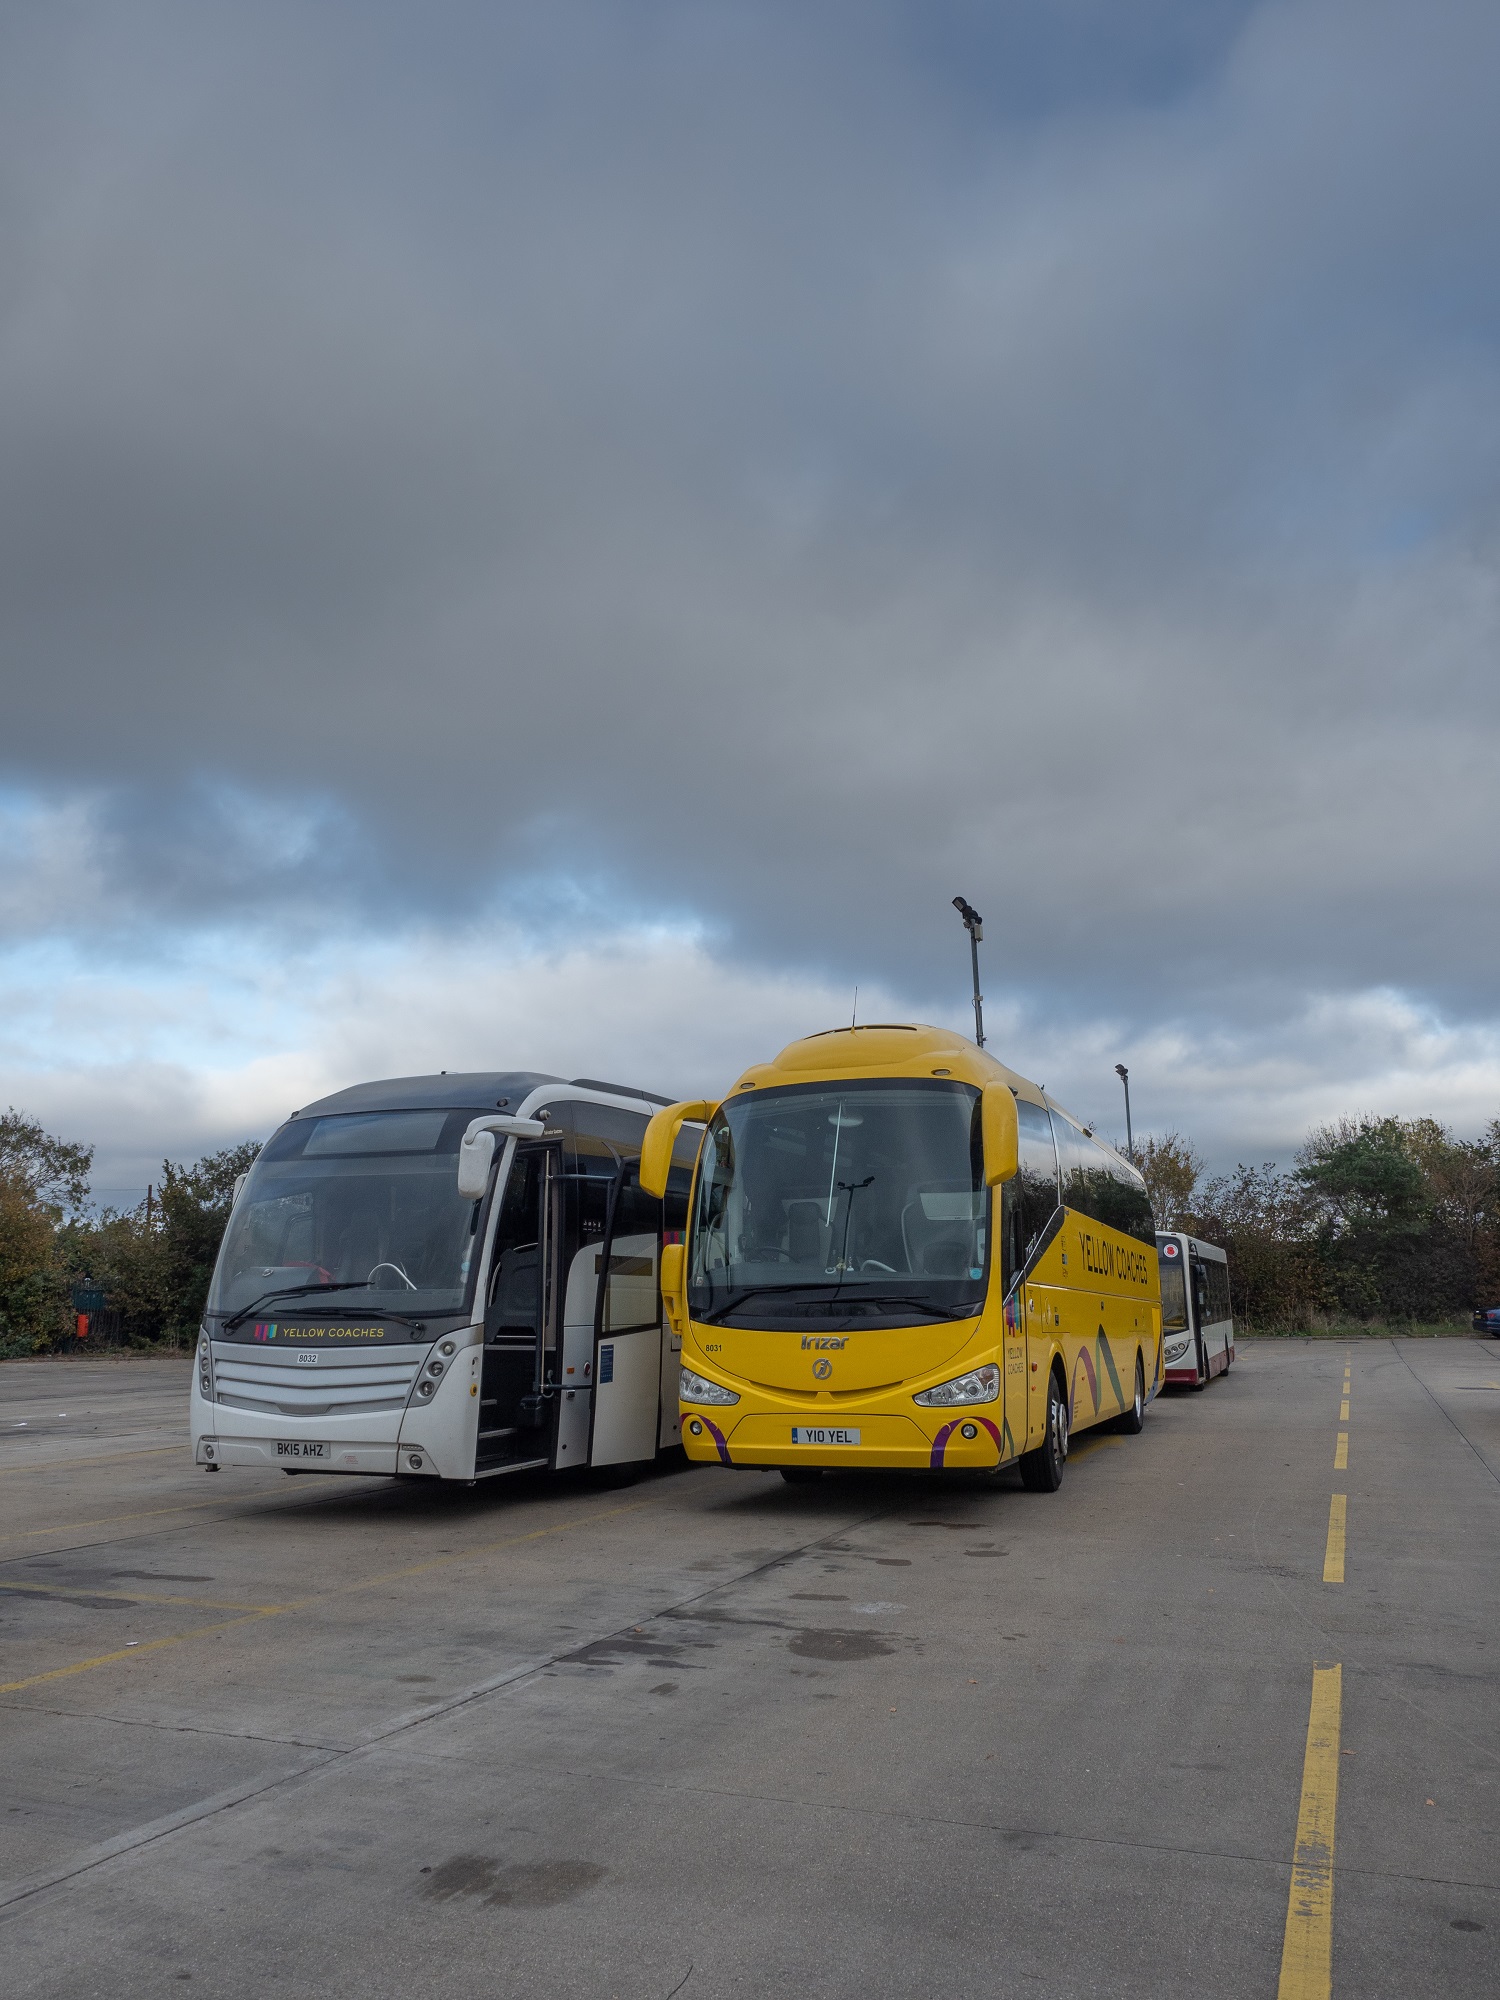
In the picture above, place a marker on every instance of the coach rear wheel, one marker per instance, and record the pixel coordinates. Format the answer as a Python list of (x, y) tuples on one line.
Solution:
[(1042, 1469), (1134, 1419)]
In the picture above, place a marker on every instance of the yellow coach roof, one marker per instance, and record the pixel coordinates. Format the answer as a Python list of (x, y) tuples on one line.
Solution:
[(894, 1049)]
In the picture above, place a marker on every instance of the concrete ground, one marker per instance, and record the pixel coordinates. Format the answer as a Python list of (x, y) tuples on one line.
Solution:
[(710, 1735)]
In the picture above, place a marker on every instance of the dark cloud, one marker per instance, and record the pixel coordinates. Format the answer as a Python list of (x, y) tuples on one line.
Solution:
[(779, 464)]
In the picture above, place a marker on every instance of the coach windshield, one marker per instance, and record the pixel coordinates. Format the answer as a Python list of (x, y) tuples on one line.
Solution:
[(824, 1203), (359, 1211)]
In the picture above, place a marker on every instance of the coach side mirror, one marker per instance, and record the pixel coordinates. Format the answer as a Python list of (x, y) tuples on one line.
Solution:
[(661, 1137), (475, 1157), (672, 1259), (239, 1182), (1002, 1136), (476, 1152)]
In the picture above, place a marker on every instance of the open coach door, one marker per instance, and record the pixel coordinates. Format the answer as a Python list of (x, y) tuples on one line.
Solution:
[(628, 1326), (636, 1354)]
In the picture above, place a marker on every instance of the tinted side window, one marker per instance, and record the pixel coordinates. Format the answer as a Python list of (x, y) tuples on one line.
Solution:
[(598, 1136), (627, 1264), (1211, 1291), (1078, 1165), (1123, 1201), (1036, 1182)]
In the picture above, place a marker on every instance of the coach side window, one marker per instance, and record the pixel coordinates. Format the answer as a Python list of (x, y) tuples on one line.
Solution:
[(1036, 1182), (1078, 1163), (1123, 1202)]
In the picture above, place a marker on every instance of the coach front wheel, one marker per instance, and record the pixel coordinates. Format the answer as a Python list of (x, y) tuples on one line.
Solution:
[(1042, 1469)]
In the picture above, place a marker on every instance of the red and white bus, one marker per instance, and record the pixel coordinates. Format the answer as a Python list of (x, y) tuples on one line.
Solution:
[(1197, 1318)]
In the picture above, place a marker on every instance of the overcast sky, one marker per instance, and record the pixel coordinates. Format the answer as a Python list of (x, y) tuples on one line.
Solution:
[(562, 536)]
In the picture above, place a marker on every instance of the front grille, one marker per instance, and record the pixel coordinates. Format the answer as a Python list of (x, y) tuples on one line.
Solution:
[(333, 1389)]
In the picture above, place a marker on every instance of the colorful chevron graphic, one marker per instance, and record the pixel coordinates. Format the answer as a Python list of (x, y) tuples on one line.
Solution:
[(1101, 1362), (1005, 1444), (714, 1432)]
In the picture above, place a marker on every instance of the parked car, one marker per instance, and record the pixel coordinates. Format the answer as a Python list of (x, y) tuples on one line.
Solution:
[(1487, 1320)]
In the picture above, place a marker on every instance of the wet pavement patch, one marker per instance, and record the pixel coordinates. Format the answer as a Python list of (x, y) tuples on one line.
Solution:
[(79, 1599), (614, 1652), (527, 1885), (816, 1645)]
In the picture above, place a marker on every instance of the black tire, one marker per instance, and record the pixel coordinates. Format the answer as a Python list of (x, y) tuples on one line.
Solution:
[(1133, 1420), (1042, 1469), (802, 1475)]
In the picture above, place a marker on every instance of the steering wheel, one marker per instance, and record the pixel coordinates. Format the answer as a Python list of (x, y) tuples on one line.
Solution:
[(390, 1267)]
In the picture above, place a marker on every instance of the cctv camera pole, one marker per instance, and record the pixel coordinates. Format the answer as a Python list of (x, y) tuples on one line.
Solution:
[(1124, 1075), (974, 925)]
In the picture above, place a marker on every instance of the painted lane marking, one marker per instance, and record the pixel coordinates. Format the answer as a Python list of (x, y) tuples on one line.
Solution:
[(1333, 1558), (1344, 1411), (303, 1603), (1307, 1944), (82, 1462), (1341, 1453), (109, 1521)]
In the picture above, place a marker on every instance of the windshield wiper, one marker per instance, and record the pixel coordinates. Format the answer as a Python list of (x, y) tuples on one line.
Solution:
[(737, 1299), (295, 1292), (369, 1312), (881, 1301)]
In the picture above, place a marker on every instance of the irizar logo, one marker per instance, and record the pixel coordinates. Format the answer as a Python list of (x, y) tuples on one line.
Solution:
[(824, 1340)]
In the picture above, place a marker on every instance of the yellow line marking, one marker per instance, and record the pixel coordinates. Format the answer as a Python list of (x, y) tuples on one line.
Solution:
[(109, 1520), (1344, 1411), (1307, 1946), (1341, 1453), (302, 1603), (135, 1652), (129, 1596), (114, 1458), (1333, 1559)]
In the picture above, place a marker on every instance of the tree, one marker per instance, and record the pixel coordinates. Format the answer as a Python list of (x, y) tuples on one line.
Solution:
[(155, 1265), (1393, 1242), (1267, 1223), (52, 1172), (1170, 1166), (41, 1177)]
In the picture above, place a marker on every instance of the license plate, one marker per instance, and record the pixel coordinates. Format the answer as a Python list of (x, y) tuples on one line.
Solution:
[(300, 1448), (816, 1434)]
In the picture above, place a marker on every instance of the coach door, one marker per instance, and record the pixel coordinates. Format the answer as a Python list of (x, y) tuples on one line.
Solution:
[(628, 1326), (517, 1408)]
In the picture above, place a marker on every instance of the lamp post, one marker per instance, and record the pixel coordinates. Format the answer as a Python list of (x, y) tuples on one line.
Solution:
[(1124, 1075), (974, 925)]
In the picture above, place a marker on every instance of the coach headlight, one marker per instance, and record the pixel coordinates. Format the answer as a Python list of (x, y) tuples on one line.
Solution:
[(980, 1385), (693, 1388), (1175, 1349)]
